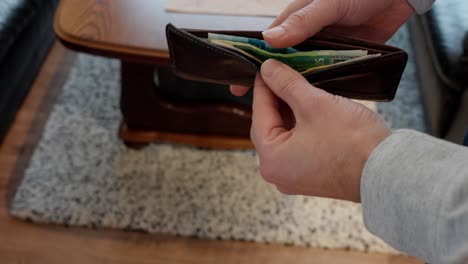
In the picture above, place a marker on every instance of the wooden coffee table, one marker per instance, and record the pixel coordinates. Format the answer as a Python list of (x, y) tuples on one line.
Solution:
[(133, 31)]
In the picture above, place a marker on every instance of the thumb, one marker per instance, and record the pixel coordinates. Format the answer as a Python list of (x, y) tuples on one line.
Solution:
[(287, 84), (303, 23)]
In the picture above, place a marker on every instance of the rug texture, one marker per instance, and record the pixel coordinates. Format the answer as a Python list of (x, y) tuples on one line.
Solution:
[(81, 174)]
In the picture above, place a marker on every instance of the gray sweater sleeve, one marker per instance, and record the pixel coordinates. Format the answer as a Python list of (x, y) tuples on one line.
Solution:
[(414, 194), (421, 6)]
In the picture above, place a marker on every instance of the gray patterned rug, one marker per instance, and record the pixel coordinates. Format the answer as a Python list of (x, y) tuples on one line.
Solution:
[(81, 174)]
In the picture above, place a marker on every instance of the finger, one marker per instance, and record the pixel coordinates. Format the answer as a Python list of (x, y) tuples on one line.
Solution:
[(266, 118), (304, 23), (290, 9), (287, 84), (238, 90)]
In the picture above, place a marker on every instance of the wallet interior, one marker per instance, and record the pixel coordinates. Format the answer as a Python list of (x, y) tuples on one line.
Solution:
[(377, 78)]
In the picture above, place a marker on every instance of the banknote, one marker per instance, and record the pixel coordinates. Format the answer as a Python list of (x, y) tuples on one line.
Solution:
[(343, 62), (301, 61), (252, 41)]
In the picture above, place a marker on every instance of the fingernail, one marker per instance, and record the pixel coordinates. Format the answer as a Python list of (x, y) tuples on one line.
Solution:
[(268, 68), (276, 32)]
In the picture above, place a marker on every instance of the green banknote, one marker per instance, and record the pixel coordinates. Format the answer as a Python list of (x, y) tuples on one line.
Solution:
[(252, 41), (343, 62), (302, 61)]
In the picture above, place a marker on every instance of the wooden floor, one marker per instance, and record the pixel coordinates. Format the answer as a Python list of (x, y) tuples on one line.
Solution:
[(22, 242)]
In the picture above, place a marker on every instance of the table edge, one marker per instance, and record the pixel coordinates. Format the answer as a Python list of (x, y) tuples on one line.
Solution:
[(101, 48)]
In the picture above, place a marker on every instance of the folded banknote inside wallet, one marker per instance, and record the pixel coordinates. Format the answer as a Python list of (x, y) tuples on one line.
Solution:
[(374, 74)]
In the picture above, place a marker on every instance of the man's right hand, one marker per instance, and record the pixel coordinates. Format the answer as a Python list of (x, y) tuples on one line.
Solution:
[(310, 142), (372, 20)]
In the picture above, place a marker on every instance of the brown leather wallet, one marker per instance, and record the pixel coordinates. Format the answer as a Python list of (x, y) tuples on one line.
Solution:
[(376, 78)]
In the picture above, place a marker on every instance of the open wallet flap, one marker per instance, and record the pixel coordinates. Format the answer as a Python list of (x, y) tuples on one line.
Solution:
[(194, 58)]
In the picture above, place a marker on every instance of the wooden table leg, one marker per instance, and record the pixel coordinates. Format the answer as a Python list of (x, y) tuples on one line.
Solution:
[(149, 117)]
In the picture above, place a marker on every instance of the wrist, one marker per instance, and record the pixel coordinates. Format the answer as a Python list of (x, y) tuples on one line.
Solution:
[(366, 148)]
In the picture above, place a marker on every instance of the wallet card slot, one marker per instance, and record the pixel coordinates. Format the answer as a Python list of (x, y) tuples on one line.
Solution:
[(363, 80), (363, 64), (255, 62), (312, 45), (353, 42), (321, 41), (323, 45), (204, 33), (309, 45), (206, 45), (196, 58)]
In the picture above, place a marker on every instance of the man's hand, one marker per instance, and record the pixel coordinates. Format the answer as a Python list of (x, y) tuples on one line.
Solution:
[(373, 20), (311, 142)]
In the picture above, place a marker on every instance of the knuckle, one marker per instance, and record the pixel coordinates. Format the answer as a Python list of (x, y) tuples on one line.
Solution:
[(343, 7), (322, 98), (349, 11), (336, 99), (306, 102), (366, 114), (299, 17), (287, 83)]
